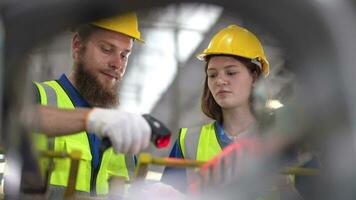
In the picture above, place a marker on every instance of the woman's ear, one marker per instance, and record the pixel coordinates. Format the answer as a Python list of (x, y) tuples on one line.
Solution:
[(254, 76)]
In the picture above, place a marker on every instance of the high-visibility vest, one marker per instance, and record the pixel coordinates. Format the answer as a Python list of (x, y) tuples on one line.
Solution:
[(199, 143), (202, 144), (52, 93)]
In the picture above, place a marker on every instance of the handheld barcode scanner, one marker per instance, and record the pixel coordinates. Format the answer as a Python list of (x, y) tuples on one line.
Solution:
[(160, 135)]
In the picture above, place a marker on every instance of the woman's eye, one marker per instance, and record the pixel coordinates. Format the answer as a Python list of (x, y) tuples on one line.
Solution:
[(124, 56), (211, 75), (231, 73)]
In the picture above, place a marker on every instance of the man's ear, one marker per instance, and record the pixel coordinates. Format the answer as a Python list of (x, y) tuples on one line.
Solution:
[(76, 46)]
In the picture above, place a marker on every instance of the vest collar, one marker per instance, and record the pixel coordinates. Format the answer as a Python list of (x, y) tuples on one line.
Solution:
[(222, 137), (75, 96)]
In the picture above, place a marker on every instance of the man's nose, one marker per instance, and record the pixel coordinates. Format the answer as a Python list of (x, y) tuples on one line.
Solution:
[(116, 63)]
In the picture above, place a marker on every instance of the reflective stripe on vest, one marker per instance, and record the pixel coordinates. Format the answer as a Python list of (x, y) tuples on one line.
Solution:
[(51, 99), (111, 163), (199, 143)]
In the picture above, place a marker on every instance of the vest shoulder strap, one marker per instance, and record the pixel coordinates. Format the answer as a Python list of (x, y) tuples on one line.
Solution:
[(48, 96), (189, 140), (50, 93)]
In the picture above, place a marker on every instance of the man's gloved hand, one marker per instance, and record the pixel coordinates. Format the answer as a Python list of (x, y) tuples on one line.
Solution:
[(128, 132)]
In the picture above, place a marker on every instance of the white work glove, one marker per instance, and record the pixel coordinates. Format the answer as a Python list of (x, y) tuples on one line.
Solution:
[(128, 132)]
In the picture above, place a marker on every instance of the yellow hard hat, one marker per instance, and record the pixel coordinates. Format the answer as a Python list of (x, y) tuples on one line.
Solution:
[(126, 24), (235, 40)]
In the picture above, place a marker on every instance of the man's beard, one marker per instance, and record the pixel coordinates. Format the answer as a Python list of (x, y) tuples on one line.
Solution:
[(92, 90)]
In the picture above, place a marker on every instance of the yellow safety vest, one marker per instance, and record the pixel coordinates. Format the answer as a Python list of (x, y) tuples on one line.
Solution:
[(199, 143), (202, 144), (111, 163)]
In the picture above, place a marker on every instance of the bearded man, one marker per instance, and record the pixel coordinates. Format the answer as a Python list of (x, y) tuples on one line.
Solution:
[(100, 52)]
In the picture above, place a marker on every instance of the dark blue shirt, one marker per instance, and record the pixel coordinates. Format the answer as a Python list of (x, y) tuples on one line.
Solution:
[(177, 176), (79, 101)]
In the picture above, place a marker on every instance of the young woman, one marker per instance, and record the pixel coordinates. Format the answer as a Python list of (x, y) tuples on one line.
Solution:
[(234, 61)]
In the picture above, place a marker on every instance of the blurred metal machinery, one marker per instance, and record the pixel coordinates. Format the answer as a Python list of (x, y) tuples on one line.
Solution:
[(274, 181), (318, 37)]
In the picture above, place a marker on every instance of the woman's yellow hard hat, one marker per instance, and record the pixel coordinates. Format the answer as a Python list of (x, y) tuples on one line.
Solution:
[(235, 40)]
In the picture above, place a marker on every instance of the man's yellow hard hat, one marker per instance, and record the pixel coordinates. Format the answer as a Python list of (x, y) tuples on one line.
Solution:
[(235, 40), (126, 24)]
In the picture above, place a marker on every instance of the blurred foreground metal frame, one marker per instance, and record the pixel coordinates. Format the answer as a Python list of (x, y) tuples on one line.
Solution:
[(318, 36)]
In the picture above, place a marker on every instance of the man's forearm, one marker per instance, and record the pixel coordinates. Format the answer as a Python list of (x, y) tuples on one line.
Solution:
[(56, 122)]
